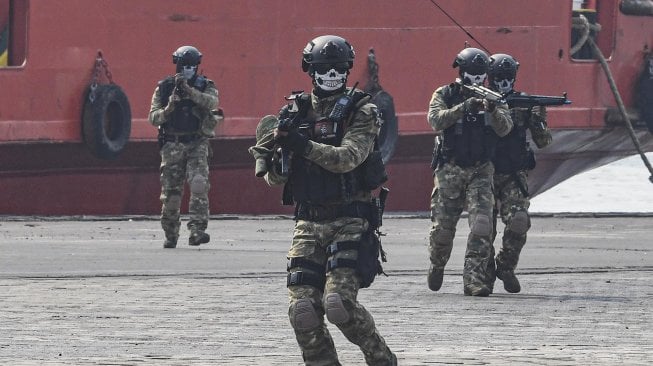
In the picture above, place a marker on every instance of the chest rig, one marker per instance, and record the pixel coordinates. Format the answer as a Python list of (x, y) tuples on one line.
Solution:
[(513, 152), (182, 121), (469, 141), (309, 182)]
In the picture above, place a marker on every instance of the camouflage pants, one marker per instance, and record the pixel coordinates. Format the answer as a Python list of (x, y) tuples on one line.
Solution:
[(512, 207), (455, 189), (310, 241), (180, 163)]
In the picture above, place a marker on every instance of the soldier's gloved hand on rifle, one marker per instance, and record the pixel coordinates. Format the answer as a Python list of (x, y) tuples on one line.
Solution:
[(489, 105), (180, 83), (473, 105), (291, 140), (172, 101)]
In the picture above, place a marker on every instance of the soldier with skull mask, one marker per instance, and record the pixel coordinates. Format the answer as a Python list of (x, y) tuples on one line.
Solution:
[(184, 109), (467, 130), (330, 134), (512, 161)]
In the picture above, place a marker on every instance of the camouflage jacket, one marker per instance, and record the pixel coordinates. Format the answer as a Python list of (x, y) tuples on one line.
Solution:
[(357, 143), (441, 116)]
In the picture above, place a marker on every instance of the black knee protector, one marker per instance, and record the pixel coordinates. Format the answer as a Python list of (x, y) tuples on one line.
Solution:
[(443, 235), (520, 222), (303, 315), (481, 226), (335, 309)]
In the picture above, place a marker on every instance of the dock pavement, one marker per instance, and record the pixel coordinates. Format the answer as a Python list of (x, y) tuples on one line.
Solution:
[(103, 291)]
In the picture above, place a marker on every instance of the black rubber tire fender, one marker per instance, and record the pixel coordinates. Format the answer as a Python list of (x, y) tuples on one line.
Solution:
[(106, 121), (390, 129)]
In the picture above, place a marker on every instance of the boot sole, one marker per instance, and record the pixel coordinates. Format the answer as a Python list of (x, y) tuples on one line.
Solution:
[(197, 243)]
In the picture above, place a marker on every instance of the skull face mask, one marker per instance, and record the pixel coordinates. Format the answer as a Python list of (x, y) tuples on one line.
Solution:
[(504, 85), (330, 77), (188, 71), (474, 79)]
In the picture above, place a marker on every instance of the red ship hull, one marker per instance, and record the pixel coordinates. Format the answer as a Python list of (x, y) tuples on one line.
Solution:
[(252, 51)]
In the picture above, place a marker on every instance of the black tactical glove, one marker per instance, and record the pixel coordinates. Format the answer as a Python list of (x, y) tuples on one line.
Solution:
[(285, 125), (472, 105), (294, 141), (489, 105)]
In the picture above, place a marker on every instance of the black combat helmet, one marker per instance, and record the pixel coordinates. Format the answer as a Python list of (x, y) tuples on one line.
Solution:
[(472, 61), (328, 49), (502, 66), (186, 56), (502, 72)]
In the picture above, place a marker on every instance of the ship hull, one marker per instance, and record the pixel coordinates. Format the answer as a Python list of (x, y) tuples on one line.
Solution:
[(63, 179), (252, 50)]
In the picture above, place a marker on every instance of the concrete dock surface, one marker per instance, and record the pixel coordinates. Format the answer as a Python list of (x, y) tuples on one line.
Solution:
[(103, 291)]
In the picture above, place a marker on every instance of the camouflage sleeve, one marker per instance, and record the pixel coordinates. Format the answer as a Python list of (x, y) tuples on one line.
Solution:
[(272, 178), (500, 120), (356, 145), (156, 116), (440, 116), (537, 125), (207, 99)]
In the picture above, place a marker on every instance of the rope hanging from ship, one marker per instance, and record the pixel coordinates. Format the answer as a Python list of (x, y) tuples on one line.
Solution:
[(461, 27), (106, 114), (584, 23)]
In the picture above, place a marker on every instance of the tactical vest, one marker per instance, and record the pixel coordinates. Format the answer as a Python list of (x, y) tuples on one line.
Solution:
[(469, 141), (183, 120), (309, 182), (512, 152)]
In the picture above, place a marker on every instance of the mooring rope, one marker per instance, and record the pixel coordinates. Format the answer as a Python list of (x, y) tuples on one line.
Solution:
[(620, 104)]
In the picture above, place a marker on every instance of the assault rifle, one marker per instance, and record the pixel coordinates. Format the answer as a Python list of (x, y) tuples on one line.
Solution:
[(298, 109), (479, 91), (179, 87), (523, 100)]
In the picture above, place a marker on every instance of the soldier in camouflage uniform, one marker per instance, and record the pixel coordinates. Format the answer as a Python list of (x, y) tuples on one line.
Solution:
[(334, 212), (184, 108), (512, 161), (468, 129)]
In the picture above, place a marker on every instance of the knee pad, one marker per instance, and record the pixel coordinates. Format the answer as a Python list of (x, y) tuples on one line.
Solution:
[(443, 235), (481, 225), (173, 203), (335, 309), (520, 222), (303, 316), (199, 184)]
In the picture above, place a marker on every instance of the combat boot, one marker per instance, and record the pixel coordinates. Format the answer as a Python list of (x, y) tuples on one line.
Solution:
[(435, 278), (477, 290), (198, 237), (510, 281), (170, 242), (385, 358)]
